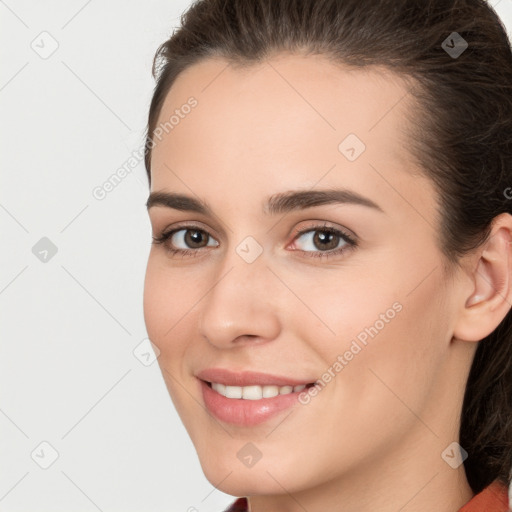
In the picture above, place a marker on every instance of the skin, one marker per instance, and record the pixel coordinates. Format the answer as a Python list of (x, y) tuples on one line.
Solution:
[(376, 432)]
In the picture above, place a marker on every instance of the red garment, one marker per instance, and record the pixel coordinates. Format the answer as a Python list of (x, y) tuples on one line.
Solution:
[(240, 505), (494, 498)]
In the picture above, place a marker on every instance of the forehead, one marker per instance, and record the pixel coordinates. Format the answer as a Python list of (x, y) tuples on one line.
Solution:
[(282, 123), (306, 90)]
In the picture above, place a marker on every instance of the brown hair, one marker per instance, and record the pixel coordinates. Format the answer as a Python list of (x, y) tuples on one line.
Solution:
[(460, 134)]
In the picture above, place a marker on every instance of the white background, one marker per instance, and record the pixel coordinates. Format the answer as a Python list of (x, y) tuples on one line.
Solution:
[(68, 375)]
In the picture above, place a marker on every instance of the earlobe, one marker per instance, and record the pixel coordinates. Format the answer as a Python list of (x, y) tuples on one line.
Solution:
[(490, 298)]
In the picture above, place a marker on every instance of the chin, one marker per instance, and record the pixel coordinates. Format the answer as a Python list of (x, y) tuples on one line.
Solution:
[(245, 481)]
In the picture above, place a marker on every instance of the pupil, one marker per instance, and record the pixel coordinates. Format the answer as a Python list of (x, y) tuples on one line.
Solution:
[(325, 238), (195, 237)]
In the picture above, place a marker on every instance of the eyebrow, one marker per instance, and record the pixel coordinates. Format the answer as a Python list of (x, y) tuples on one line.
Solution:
[(276, 204)]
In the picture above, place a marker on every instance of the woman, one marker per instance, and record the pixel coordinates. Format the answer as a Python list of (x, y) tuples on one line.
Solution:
[(330, 281)]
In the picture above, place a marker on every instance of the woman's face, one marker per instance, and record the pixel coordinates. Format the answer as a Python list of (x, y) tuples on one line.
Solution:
[(371, 322)]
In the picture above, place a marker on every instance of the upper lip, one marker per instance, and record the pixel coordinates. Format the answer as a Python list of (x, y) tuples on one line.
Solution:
[(247, 378)]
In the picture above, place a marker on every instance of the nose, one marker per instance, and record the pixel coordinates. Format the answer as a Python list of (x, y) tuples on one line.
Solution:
[(241, 304)]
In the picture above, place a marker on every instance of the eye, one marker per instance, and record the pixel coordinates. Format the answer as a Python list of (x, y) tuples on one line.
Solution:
[(187, 239), (324, 241), (318, 241)]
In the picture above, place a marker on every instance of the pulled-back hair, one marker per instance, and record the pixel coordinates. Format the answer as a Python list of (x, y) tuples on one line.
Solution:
[(460, 134)]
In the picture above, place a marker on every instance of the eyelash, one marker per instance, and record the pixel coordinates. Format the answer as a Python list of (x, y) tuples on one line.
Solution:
[(349, 240)]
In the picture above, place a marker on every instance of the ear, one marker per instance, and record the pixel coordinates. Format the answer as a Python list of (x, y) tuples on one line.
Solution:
[(490, 296)]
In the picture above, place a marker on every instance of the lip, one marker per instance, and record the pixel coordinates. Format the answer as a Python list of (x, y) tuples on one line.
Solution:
[(248, 378), (242, 412)]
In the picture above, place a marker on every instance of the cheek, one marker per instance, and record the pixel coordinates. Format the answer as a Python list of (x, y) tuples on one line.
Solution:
[(155, 297), (167, 307), (342, 312), (388, 331), (396, 364), (168, 313)]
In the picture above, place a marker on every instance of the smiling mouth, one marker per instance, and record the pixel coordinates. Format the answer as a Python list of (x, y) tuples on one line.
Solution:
[(256, 392)]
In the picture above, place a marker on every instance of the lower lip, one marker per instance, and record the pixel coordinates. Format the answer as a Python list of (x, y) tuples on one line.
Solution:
[(242, 412)]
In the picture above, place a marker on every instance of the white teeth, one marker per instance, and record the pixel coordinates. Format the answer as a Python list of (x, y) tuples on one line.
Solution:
[(220, 388), (233, 391), (270, 391), (254, 392)]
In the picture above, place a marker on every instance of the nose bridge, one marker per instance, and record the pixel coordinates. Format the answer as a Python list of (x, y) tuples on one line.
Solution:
[(238, 302)]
